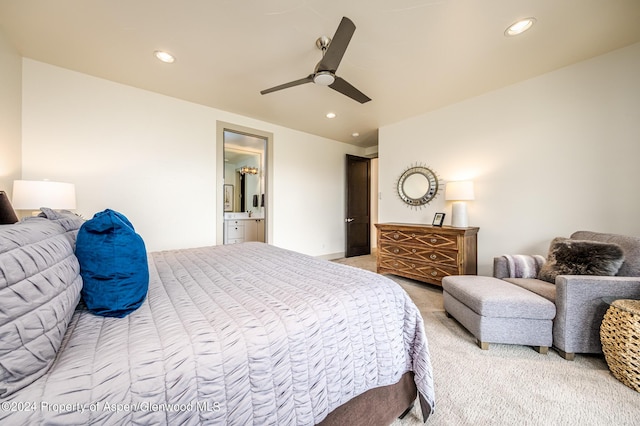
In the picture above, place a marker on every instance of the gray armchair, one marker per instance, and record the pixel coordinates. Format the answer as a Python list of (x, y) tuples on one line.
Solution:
[(578, 298)]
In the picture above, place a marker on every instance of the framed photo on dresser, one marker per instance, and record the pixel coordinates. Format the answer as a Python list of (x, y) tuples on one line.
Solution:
[(438, 218)]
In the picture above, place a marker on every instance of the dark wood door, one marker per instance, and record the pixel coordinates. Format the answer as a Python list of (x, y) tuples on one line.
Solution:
[(358, 206)]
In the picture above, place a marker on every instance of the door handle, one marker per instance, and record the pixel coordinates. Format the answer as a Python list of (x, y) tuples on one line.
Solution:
[(349, 220)]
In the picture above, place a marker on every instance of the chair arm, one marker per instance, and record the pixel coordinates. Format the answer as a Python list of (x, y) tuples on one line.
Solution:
[(580, 309), (500, 267)]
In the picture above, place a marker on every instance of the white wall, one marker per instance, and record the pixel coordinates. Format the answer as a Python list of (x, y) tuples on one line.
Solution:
[(311, 212), (548, 156), (10, 114), (153, 158)]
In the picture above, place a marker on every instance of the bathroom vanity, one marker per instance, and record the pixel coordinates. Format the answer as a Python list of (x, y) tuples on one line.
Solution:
[(241, 227)]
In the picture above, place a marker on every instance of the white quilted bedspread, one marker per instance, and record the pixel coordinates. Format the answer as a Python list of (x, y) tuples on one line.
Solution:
[(245, 334)]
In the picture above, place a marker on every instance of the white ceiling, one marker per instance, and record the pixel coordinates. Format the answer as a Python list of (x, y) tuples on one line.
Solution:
[(409, 56)]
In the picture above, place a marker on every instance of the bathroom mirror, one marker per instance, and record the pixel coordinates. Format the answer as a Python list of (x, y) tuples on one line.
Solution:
[(417, 186), (243, 171)]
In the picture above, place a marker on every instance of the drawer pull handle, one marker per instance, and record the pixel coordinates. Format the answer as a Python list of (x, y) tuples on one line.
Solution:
[(396, 251), (434, 273), (413, 250), (395, 264), (413, 266), (396, 236), (433, 256), (413, 235), (433, 240)]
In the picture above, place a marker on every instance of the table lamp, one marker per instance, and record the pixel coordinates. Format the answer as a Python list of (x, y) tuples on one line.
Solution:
[(34, 194), (459, 192)]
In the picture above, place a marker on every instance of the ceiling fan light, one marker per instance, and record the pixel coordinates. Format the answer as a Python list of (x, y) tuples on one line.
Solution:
[(324, 78)]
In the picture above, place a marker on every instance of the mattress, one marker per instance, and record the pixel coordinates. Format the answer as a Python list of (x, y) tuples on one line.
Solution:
[(233, 335)]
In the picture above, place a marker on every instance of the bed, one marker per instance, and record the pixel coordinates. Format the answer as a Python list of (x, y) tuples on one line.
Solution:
[(236, 334)]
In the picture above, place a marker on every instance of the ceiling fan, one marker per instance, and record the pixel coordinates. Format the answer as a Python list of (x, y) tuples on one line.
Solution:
[(325, 71)]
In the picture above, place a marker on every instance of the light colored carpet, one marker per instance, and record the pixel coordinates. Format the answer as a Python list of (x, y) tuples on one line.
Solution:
[(509, 384)]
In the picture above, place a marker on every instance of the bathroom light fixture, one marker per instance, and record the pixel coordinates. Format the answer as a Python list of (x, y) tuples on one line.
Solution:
[(331, 115), (355, 134), (164, 56), (519, 27), (246, 170)]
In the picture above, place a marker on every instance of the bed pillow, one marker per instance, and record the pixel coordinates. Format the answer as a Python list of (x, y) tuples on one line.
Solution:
[(580, 257), (113, 265), (39, 290)]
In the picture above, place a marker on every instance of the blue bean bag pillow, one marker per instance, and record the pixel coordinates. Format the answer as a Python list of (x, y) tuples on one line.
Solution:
[(113, 265)]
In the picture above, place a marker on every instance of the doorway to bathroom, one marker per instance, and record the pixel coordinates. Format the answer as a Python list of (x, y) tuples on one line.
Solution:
[(243, 184)]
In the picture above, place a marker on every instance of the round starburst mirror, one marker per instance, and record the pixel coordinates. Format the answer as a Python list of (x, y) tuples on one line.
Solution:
[(417, 186)]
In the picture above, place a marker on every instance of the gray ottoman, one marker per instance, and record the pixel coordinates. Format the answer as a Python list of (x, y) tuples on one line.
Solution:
[(495, 311)]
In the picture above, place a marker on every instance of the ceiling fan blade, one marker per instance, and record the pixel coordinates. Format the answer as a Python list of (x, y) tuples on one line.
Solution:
[(342, 86), (307, 79), (338, 46)]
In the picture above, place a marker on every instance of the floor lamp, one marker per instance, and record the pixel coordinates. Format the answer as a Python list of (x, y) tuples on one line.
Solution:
[(459, 193)]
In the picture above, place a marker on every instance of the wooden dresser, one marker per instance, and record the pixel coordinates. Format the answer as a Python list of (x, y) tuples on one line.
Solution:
[(426, 253)]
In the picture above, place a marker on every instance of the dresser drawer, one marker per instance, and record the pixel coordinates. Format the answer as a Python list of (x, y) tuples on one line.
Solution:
[(429, 239), (420, 253), (421, 270)]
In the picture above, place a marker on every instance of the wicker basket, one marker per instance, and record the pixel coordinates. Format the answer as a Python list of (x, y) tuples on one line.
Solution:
[(620, 335)]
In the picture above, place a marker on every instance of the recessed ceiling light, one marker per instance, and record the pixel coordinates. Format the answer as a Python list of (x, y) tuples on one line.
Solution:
[(519, 27), (331, 115), (355, 134), (164, 56)]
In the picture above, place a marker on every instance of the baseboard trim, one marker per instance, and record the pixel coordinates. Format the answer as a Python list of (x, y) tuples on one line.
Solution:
[(332, 256), (341, 255)]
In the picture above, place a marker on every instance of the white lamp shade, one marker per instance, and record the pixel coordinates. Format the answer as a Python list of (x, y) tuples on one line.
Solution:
[(459, 191), (34, 194)]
